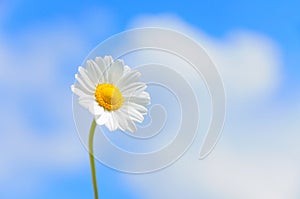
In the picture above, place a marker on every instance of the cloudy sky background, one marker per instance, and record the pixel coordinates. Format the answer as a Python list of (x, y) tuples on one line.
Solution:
[(255, 46)]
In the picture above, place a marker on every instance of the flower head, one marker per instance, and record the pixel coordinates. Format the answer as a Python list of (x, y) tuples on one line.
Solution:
[(112, 92)]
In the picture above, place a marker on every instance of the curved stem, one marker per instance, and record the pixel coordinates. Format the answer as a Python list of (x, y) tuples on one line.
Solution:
[(92, 159)]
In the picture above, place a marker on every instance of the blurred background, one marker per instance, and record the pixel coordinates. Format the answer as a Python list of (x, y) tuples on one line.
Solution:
[(256, 46)]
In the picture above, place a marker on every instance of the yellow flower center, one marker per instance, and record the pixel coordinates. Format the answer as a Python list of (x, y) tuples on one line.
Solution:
[(108, 96)]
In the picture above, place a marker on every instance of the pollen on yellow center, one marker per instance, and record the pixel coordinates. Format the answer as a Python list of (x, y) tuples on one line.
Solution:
[(108, 96)]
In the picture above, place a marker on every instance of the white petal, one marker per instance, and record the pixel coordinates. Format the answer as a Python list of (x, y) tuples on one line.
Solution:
[(91, 72), (90, 67), (134, 114), (143, 110), (108, 60), (128, 78), (111, 124), (135, 87), (131, 126), (129, 122), (97, 67), (83, 83), (127, 69), (86, 77), (85, 102), (115, 71), (87, 91), (144, 95), (142, 99), (101, 64), (79, 91), (95, 109), (101, 67), (121, 119), (88, 97), (102, 119)]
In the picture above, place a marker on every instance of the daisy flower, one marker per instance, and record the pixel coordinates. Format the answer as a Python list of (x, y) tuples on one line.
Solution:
[(112, 92)]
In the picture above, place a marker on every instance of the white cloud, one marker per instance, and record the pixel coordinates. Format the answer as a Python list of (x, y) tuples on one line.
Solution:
[(257, 156), (227, 173), (33, 82), (25, 149), (248, 62), (34, 66), (246, 167)]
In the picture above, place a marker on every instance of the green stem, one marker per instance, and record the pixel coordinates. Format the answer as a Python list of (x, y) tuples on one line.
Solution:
[(92, 159)]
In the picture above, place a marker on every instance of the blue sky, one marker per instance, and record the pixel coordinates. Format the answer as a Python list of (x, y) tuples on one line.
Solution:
[(277, 19), (51, 38)]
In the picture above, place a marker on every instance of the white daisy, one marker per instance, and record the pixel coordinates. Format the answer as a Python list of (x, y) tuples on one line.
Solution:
[(112, 93)]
